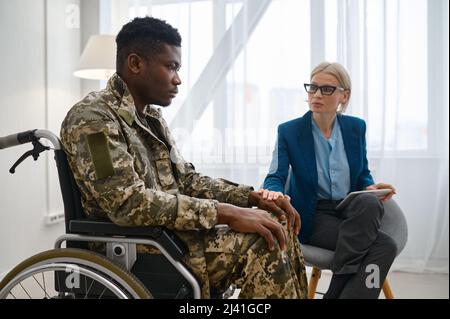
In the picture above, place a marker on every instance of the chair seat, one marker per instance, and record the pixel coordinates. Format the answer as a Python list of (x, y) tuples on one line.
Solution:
[(317, 257), (393, 224)]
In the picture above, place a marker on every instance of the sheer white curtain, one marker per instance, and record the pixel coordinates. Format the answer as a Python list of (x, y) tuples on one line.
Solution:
[(397, 52), (244, 63)]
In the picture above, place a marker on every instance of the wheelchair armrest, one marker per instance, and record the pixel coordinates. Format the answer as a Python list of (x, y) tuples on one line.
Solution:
[(165, 237)]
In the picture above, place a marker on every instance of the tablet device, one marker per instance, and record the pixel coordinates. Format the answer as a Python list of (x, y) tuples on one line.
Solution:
[(380, 193)]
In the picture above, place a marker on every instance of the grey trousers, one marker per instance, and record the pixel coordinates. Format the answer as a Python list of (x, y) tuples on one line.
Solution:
[(361, 248)]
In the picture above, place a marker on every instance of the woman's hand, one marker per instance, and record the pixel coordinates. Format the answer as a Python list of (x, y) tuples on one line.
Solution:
[(270, 195), (278, 204), (384, 186)]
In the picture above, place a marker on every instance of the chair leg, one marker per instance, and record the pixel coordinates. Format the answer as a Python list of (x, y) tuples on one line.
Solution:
[(387, 290), (313, 280)]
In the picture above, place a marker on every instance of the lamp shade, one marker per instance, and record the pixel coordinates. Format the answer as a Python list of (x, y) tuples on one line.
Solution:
[(98, 60)]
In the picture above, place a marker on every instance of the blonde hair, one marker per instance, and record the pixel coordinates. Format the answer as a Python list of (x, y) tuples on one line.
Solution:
[(340, 73)]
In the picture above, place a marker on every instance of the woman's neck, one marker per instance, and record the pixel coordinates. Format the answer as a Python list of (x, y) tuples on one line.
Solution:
[(325, 122)]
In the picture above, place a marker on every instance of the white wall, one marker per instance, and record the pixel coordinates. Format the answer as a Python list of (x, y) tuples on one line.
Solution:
[(40, 49)]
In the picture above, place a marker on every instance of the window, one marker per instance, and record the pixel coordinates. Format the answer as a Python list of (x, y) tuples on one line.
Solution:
[(385, 45), (389, 47)]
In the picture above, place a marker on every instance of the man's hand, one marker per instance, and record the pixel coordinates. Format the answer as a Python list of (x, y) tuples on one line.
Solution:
[(384, 186), (248, 220), (278, 204)]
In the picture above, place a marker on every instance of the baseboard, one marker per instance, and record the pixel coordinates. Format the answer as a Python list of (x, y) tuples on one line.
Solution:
[(419, 265)]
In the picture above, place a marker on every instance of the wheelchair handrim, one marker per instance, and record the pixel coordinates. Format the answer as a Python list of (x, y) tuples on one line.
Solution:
[(61, 267)]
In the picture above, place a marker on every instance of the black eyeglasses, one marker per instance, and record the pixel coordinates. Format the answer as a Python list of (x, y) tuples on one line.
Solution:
[(324, 89)]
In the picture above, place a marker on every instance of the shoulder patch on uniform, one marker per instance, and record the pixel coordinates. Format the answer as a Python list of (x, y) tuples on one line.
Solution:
[(101, 158)]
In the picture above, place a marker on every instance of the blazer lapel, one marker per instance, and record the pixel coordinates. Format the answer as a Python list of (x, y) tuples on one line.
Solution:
[(306, 148), (350, 137)]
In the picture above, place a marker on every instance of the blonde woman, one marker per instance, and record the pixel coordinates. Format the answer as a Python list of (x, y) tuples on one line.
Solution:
[(326, 152)]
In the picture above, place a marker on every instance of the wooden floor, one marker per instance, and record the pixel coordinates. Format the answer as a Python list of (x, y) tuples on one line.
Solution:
[(404, 285)]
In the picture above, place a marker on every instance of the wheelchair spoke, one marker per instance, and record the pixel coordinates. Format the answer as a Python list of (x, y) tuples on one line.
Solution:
[(25, 291), (85, 286), (45, 292), (10, 293), (100, 297), (43, 281), (90, 286)]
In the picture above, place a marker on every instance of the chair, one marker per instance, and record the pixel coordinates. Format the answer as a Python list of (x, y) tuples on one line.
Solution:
[(393, 223)]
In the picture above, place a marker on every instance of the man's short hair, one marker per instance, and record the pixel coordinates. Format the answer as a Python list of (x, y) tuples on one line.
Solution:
[(144, 36)]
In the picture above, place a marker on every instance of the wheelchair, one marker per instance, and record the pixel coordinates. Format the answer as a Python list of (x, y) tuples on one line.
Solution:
[(76, 272)]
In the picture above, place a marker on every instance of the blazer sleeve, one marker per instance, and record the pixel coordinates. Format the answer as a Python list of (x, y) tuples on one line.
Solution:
[(279, 166), (365, 178)]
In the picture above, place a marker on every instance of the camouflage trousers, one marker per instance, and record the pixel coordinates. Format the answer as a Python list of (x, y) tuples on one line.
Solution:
[(246, 261)]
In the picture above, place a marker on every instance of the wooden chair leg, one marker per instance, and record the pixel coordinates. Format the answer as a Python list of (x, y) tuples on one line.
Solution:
[(387, 290), (313, 280)]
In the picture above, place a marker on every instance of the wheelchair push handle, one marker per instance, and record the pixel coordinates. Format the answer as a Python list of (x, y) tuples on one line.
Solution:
[(29, 136), (17, 139), (32, 136)]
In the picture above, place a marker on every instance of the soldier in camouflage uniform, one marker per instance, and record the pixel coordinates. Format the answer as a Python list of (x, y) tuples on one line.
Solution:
[(129, 170)]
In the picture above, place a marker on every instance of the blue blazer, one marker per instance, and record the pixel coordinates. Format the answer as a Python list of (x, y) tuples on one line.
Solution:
[(295, 149)]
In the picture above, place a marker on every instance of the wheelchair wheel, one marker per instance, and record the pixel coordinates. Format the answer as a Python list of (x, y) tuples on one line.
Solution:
[(70, 274)]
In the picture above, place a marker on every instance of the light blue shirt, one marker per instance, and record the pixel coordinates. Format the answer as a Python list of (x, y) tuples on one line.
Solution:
[(332, 165)]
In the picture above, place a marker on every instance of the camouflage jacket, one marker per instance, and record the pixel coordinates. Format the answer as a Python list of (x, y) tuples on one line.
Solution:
[(127, 173)]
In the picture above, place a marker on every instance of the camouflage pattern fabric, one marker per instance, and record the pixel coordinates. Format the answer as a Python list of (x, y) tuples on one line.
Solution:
[(136, 177), (244, 260)]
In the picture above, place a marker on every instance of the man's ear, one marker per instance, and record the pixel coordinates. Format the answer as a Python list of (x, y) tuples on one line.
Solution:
[(135, 63)]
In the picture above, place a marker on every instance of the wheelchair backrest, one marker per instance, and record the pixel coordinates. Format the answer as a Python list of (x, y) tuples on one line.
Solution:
[(69, 189)]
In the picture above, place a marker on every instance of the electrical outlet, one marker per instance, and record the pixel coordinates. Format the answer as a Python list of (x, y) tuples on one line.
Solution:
[(54, 218)]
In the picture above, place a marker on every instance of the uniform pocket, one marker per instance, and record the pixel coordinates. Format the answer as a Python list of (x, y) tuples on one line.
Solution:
[(165, 173)]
